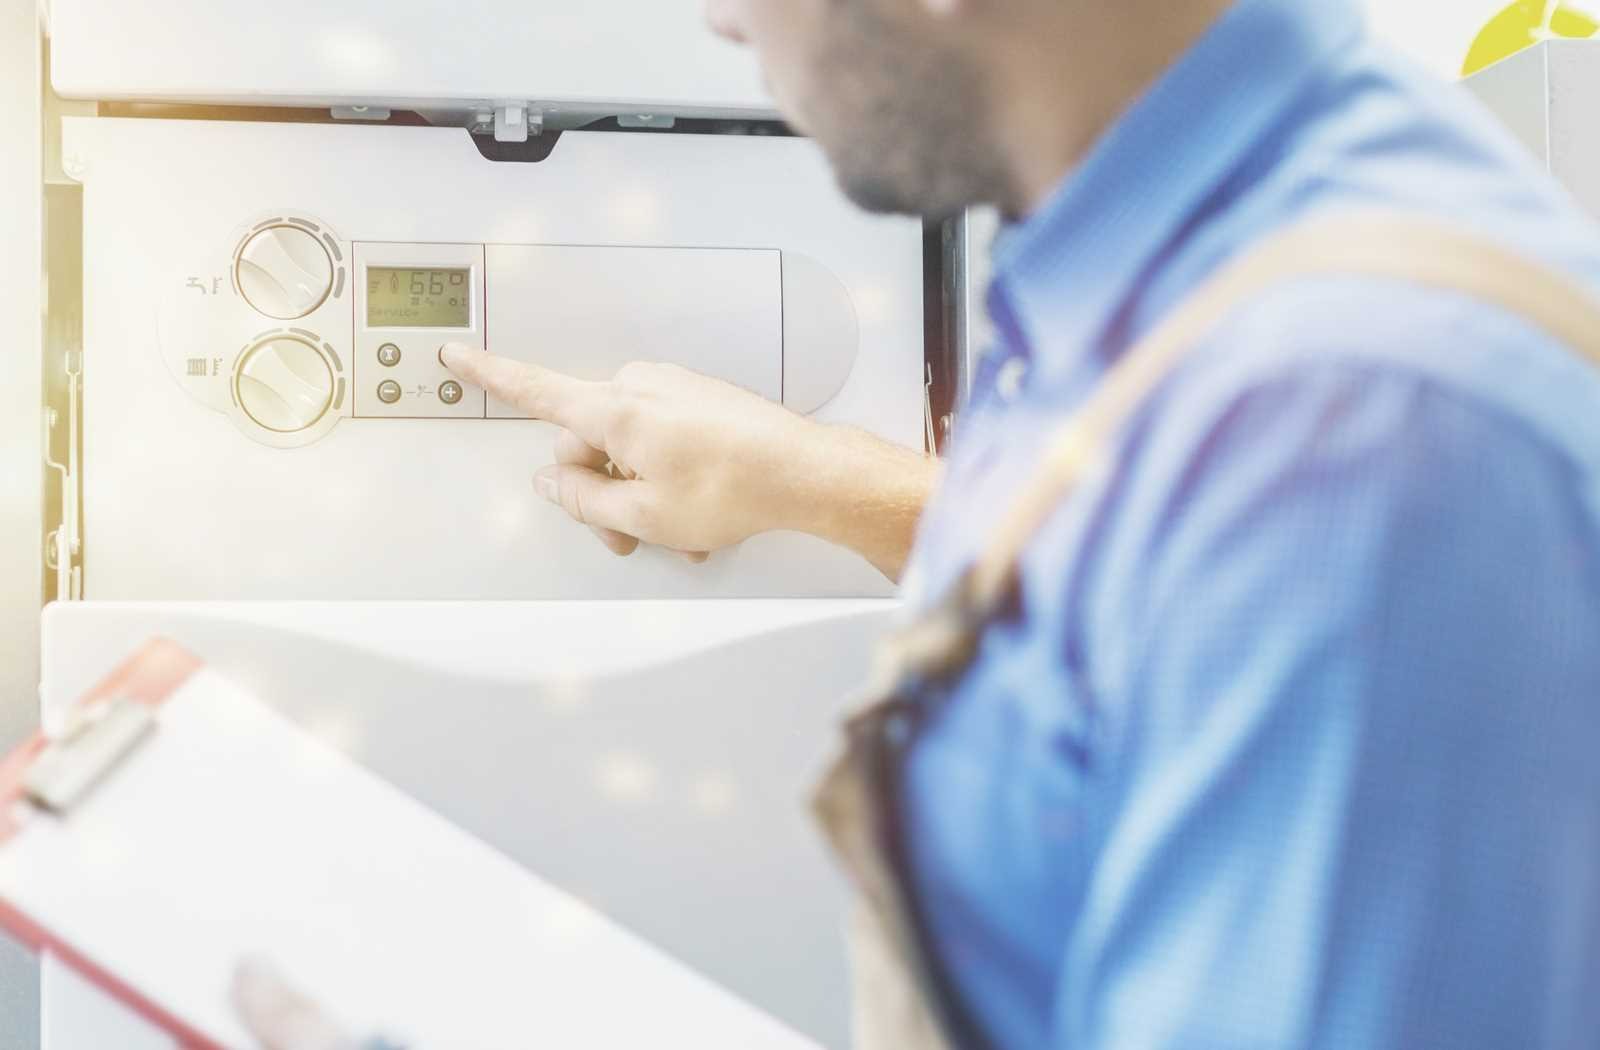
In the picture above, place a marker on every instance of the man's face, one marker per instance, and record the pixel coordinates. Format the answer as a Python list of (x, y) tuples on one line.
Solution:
[(887, 91)]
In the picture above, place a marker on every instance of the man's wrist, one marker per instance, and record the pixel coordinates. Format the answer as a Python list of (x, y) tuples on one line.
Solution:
[(855, 490)]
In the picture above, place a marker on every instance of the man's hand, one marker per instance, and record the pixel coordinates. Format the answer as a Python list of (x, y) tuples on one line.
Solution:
[(279, 1015), (664, 456)]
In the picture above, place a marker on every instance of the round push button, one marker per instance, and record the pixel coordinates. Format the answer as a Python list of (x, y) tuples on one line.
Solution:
[(284, 384), (388, 391), (388, 355), (450, 391), (284, 272)]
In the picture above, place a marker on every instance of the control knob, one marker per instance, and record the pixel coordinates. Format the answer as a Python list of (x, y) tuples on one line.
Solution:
[(284, 384), (284, 272)]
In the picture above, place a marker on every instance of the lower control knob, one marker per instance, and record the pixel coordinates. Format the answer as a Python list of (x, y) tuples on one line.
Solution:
[(284, 384)]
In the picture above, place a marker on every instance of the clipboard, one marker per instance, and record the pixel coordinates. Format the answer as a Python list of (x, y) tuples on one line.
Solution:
[(180, 825)]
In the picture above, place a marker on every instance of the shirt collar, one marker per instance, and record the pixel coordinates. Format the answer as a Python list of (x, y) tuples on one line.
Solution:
[(1063, 274)]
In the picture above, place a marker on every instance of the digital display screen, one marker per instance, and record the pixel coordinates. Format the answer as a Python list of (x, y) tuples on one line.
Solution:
[(408, 297)]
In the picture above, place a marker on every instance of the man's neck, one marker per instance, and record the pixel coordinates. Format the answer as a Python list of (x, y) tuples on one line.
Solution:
[(1059, 90)]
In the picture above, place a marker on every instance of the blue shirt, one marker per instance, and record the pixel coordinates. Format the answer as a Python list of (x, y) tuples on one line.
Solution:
[(1293, 738)]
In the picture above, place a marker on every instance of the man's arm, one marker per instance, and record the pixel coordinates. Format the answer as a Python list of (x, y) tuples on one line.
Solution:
[(663, 456)]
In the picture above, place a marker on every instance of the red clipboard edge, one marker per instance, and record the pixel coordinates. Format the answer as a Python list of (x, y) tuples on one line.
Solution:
[(39, 940), (150, 676)]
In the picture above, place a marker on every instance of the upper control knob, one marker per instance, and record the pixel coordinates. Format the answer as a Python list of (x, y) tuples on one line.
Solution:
[(284, 384), (284, 272)]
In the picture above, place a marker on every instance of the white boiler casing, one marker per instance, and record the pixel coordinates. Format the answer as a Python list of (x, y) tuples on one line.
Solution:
[(235, 452)]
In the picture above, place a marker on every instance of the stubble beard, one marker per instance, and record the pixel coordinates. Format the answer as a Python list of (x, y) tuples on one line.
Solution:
[(905, 123)]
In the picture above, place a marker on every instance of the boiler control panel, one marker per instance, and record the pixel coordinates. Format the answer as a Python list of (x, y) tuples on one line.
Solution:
[(303, 328)]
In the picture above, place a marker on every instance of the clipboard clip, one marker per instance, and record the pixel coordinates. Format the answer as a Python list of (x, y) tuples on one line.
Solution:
[(97, 739)]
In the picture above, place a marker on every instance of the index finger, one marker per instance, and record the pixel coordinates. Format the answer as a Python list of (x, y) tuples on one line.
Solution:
[(555, 397)]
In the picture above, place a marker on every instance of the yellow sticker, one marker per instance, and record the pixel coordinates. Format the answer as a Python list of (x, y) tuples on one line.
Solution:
[(1568, 22), (1522, 25)]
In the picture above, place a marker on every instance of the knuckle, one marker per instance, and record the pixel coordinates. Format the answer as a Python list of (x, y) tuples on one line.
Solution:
[(625, 420), (634, 374), (642, 517)]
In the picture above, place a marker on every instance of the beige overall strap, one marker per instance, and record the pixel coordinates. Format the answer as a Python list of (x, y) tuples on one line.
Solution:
[(1390, 248)]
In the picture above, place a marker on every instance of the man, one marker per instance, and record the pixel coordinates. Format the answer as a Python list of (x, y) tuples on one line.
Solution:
[(1286, 738)]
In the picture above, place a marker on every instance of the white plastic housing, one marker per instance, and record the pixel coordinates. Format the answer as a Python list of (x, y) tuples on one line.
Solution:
[(595, 57), (590, 310), (182, 501)]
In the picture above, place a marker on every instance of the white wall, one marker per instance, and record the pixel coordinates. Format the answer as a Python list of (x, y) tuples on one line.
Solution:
[(20, 363), (1436, 33)]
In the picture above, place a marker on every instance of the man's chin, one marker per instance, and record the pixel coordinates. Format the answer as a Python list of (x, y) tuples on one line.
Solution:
[(879, 196), (886, 199)]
